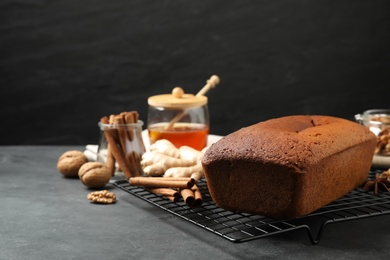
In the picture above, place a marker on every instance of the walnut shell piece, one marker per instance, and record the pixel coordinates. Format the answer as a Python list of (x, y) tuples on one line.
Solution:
[(102, 197), (70, 162), (94, 174)]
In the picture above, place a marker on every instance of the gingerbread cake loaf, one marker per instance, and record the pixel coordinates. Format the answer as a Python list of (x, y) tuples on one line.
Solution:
[(288, 167)]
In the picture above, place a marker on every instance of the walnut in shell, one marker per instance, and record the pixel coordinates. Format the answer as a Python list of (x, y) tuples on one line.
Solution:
[(94, 175), (70, 162)]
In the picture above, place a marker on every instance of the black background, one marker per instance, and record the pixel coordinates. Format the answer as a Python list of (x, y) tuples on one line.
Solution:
[(66, 63)]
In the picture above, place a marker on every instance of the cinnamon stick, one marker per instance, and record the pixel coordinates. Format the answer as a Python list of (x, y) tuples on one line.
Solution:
[(154, 182), (168, 192), (133, 158), (188, 196), (110, 160), (190, 180), (198, 196), (135, 163), (130, 118), (113, 131), (122, 133), (173, 199)]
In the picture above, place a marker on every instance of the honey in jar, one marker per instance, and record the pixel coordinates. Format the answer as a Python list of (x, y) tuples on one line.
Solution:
[(193, 135)]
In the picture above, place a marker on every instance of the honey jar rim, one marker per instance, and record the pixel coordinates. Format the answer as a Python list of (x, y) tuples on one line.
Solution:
[(169, 101)]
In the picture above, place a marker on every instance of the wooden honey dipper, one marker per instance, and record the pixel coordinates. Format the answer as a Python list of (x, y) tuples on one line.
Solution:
[(178, 93), (211, 83)]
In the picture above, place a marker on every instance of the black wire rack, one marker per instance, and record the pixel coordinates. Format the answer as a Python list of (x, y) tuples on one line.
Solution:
[(241, 227)]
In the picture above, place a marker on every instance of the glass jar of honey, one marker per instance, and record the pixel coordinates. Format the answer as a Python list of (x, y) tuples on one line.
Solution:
[(181, 118)]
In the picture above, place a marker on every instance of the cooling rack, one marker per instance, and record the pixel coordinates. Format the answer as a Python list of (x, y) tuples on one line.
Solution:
[(241, 227)]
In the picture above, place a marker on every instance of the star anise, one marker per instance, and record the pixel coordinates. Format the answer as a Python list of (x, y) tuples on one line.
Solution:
[(381, 183)]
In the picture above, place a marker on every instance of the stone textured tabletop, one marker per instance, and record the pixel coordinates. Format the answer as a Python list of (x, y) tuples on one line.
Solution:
[(46, 216)]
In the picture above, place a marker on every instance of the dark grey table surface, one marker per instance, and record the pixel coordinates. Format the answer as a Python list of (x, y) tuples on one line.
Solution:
[(46, 216)]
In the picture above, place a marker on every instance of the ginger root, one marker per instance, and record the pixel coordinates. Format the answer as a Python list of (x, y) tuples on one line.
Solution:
[(190, 155), (164, 146), (185, 171), (155, 164), (164, 159)]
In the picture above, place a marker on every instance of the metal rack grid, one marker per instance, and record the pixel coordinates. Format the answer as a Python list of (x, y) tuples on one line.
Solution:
[(240, 227)]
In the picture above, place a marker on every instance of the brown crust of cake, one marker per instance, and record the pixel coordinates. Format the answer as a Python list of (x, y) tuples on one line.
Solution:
[(288, 167)]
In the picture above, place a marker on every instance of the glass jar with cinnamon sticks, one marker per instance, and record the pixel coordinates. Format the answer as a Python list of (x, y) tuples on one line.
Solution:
[(121, 145)]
